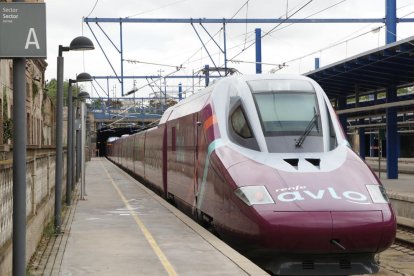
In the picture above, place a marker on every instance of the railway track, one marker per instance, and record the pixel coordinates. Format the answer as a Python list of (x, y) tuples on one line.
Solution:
[(404, 241)]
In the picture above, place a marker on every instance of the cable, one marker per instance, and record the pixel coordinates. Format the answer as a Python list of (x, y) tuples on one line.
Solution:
[(301, 8), (245, 31), (151, 63), (149, 83), (313, 14), (407, 14), (158, 8), (325, 48), (274, 30), (399, 37), (341, 41), (264, 35), (201, 48), (264, 63), (94, 6)]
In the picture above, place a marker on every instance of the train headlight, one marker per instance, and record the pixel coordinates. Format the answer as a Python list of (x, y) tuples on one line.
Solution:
[(377, 193), (254, 195)]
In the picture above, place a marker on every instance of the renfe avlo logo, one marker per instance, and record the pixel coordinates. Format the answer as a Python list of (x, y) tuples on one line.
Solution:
[(301, 193)]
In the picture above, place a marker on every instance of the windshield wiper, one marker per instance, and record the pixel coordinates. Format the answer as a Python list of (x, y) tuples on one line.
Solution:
[(309, 127)]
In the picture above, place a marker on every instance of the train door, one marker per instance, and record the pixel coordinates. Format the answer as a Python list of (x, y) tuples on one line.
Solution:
[(198, 163), (164, 161)]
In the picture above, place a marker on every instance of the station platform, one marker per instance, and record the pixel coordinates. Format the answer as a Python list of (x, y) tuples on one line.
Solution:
[(122, 228), (403, 185)]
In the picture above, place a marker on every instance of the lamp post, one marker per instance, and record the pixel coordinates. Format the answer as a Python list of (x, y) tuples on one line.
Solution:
[(82, 96), (82, 77), (79, 43)]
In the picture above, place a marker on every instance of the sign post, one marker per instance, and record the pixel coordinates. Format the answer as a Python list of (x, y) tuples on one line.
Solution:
[(22, 30), (23, 35)]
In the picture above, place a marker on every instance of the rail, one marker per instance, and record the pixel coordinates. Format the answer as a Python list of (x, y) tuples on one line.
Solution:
[(404, 241)]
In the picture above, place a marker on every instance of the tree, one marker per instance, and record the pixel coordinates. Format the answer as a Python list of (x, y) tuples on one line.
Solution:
[(51, 88), (155, 105), (115, 104), (96, 104)]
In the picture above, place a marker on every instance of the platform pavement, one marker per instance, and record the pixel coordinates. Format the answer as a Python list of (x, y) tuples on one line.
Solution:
[(403, 185), (401, 194), (122, 228)]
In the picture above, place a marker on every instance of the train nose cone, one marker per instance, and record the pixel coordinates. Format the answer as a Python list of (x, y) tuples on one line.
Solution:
[(335, 232), (357, 231)]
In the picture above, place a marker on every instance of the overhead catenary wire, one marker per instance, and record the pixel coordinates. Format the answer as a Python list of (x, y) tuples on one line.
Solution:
[(153, 63), (313, 14), (218, 32), (407, 14), (256, 62), (252, 40), (94, 6), (268, 32), (246, 5), (274, 30), (330, 46), (157, 79), (343, 40), (157, 8)]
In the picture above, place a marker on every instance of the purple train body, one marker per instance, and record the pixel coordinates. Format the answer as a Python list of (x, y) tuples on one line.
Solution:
[(263, 160)]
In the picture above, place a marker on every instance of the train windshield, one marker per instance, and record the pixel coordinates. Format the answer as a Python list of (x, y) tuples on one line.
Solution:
[(285, 107)]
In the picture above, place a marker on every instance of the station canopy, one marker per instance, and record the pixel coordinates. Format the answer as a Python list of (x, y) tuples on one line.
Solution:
[(371, 71)]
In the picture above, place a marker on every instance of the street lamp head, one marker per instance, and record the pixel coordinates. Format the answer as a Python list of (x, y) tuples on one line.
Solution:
[(82, 77), (81, 43), (83, 96)]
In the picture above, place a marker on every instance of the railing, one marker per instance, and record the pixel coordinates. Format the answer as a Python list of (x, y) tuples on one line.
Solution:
[(40, 186)]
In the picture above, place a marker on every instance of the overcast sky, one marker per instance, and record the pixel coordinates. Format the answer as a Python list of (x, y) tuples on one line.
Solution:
[(177, 44)]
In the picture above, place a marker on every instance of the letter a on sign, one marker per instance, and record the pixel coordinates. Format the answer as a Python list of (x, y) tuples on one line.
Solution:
[(32, 39)]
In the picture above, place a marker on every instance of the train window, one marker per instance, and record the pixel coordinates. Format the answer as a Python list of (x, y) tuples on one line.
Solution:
[(239, 123), (239, 128), (332, 136), (289, 113), (259, 86)]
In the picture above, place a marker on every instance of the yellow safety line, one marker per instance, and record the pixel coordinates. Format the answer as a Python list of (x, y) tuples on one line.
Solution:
[(167, 265)]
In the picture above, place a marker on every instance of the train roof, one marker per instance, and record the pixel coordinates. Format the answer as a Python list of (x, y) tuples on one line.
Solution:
[(198, 100)]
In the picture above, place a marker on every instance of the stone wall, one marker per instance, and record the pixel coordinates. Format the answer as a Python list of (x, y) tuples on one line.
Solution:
[(40, 198)]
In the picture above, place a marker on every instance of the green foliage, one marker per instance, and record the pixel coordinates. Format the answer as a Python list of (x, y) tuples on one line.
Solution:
[(51, 87), (7, 122), (405, 91), (155, 103), (7, 129), (171, 102), (116, 104), (96, 104), (35, 89), (4, 103)]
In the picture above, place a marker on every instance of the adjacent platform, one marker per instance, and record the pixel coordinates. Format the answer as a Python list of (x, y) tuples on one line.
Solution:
[(122, 228)]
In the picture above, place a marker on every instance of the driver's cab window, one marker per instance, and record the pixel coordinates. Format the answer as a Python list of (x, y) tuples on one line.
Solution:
[(240, 131), (239, 123)]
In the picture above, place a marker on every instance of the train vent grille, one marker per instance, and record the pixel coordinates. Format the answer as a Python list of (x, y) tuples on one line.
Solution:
[(292, 161), (308, 264), (314, 161), (345, 264)]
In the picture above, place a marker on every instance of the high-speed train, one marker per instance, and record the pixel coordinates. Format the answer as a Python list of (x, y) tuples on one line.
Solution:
[(263, 160)]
